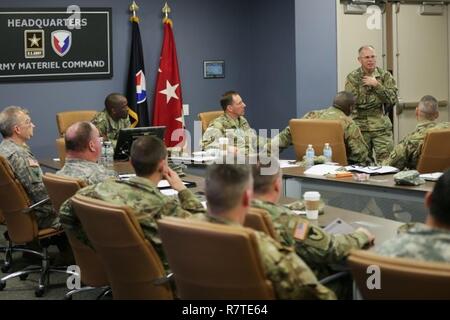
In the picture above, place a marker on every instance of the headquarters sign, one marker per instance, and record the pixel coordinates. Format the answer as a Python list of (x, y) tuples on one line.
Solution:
[(54, 44)]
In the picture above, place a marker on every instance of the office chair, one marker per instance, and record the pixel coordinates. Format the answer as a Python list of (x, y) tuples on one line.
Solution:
[(435, 156), (23, 229), (207, 117), (218, 261), (134, 269), (260, 220), (66, 118), (317, 133), (93, 275), (399, 278)]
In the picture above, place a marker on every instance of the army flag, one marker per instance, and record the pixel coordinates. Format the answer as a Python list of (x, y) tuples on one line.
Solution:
[(136, 88), (167, 108)]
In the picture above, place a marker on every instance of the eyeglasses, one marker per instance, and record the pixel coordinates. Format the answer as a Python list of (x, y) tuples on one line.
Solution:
[(368, 57)]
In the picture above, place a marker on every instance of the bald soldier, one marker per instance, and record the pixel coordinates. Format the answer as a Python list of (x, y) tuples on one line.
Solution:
[(375, 92), (140, 193), (229, 191), (343, 103), (318, 248), (113, 118), (83, 145), (406, 154)]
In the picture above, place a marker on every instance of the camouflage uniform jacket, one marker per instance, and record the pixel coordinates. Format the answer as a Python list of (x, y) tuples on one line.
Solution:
[(236, 130), (407, 153), (419, 242), (290, 276), (90, 172), (369, 113), (356, 147), (317, 248), (141, 195), (27, 170), (109, 128)]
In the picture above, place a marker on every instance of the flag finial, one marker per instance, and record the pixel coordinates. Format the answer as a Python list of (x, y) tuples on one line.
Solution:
[(133, 8), (166, 10)]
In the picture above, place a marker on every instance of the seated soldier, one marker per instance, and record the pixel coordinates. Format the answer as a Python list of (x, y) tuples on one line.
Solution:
[(113, 118), (83, 149), (17, 128), (343, 104), (229, 191), (319, 249), (149, 160), (242, 138), (406, 154), (429, 242)]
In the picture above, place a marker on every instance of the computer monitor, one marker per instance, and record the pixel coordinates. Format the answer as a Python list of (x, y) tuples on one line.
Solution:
[(128, 135)]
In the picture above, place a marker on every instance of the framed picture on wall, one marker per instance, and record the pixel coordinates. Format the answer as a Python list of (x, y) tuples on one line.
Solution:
[(213, 69)]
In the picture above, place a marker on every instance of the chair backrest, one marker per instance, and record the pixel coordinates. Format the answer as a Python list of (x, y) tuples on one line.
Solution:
[(61, 188), (2, 218), (259, 219), (400, 278), (218, 261), (61, 149), (435, 154), (318, 132), (66, 118), (131, 262), (14, 203), (207, 117)]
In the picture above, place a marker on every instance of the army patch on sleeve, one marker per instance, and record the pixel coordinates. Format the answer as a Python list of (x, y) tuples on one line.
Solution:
[(315, 235), (301, 230), (33, 163)]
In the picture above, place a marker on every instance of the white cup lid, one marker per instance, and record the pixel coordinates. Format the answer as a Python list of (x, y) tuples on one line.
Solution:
[(311, 195)]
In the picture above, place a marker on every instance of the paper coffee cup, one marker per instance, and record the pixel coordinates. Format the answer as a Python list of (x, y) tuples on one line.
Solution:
[(312, 202)]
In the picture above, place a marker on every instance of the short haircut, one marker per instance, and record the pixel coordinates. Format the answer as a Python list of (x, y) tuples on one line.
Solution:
[(78, 140), (225, 185), (344, 100), (9, 119), (428, 106), (440, 201), (367, 46), (146, 153), (262, 179), (227, 99), (113, 101)]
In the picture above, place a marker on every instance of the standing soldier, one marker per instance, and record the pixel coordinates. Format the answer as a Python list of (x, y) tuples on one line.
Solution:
[(375, 92)]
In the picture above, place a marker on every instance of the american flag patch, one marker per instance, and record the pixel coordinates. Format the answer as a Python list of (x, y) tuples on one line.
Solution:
[(301, 230)]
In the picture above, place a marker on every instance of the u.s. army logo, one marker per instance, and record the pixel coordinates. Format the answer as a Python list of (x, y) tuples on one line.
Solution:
[(34, 44)]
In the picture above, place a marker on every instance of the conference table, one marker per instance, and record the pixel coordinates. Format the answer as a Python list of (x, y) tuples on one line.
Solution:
[(378, 196), (382, 228)]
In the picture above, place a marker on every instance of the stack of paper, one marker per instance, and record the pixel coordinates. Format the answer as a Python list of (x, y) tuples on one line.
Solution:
[(431, 176), (373, 170), (322, 169)]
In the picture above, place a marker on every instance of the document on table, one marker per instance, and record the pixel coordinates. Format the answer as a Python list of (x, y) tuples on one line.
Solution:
[(431, 176), (322, 169), (163, 184), (373, 169), (339, 226)]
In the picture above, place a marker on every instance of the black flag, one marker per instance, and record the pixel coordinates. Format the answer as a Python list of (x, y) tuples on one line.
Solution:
[(136, 89)]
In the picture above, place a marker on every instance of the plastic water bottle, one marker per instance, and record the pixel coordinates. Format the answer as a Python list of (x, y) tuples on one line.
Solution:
[(328, 153), (309, 156), (102, 159), (108, 155)]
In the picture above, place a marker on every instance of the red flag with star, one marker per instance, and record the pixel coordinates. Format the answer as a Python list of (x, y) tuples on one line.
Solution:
[(168, 106)]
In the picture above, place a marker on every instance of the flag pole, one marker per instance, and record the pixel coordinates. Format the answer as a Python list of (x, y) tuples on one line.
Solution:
[(133, 8), (166, 10)]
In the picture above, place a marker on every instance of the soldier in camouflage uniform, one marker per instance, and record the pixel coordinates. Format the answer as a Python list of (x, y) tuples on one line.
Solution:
[(140, 193), (83, 148), (17, 128), (407, 153), (429, 242), (319, 249), (232, 125), (343, 103), (228, 194), (373, 88), (113, 118)]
